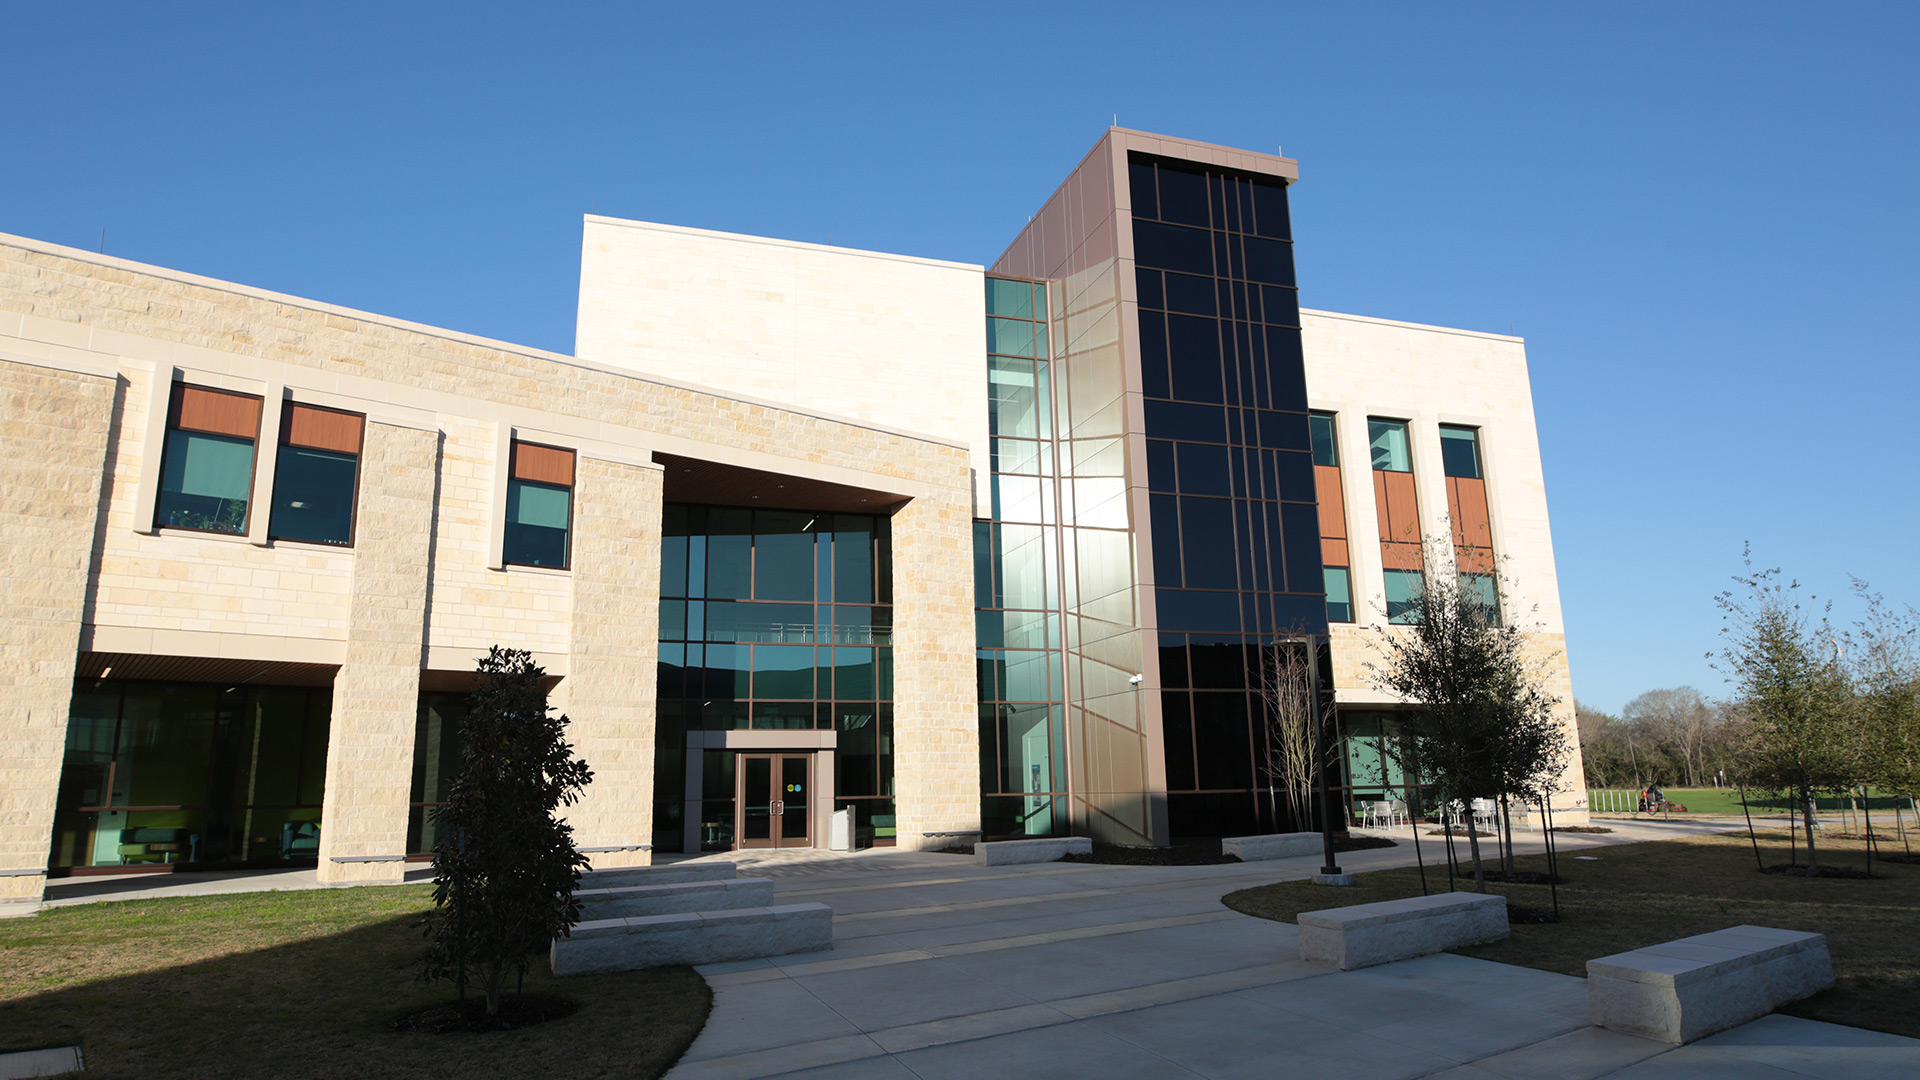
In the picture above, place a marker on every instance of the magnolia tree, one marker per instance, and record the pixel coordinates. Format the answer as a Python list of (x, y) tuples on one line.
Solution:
[(1485, 724), (504, 865)]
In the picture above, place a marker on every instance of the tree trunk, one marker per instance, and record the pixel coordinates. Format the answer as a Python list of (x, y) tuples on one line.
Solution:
[(1806, 808), (1506, 821), (1479, 871)]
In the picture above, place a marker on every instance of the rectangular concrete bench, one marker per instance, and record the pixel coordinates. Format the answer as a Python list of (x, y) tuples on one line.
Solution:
[(1045, 849), (665, 874), (634, 901), (703, 937), (1290, 845), (1379, 933), (1690, 988)]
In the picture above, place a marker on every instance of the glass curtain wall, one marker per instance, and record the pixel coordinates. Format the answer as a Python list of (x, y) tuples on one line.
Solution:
[(1235, 529), (1023, 779), (166, 774), (1369, 772), (774, 620)]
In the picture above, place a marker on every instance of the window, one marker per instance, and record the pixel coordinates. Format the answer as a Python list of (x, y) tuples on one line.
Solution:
[(1389, 442), (539, 506), (206, 468), (1481, 591), (315, 475), (1460, 451), (1403, 596), (1324, 450), (1339, 594)]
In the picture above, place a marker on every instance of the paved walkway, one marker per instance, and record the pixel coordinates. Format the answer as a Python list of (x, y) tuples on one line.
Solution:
[(941, 968)]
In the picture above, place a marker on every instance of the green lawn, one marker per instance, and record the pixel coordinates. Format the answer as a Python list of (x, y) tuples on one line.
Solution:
[(1634, 895), (304, 984), (1727, 801)]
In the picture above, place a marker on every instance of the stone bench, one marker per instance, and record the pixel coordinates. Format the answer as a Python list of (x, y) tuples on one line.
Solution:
[(1690, 988), (665, 874), (1290, 845), (703, 937), (1044, 849), (634, 901), (1379, 933)]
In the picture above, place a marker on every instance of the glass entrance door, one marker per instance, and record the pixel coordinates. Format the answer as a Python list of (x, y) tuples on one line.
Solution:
[(774, 800)]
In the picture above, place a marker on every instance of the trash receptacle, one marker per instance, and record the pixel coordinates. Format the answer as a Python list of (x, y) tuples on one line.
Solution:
[(840, 831)]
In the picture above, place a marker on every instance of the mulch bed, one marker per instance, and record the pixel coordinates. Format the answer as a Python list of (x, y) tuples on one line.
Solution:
[(1797, 870), (1581, 828), (516, 1011), (1361, 843), (1455, 830)]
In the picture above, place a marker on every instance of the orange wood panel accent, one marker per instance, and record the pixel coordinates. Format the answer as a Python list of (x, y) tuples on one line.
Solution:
[(215, 412), (1333, 551), (323, 429), (1333, 503), (1400, 556), (1474, 560), (1402, 509), (1380, 504), (542, 464), (1467, 506)]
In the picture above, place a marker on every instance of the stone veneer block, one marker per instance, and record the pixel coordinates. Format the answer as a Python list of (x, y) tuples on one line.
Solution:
[(664, 874), (376, 693), (1690, 988), (705, 937), (635, 901), (53, 453), (1045, 849), (612, 674), (1368, 934), (1291, 845)]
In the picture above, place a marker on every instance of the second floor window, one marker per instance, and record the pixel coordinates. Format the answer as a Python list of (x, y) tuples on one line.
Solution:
[(206, 467), (315, 475), (1388, 439), (539, 506)]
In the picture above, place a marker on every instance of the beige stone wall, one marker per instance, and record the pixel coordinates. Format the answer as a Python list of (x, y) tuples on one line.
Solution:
[(474, 606), (609, 693), (53, 445), (367, 608), (879, 338), (936, 754), (376, 693)]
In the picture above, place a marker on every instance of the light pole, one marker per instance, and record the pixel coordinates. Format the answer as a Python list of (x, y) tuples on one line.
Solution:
[(1330, 873)]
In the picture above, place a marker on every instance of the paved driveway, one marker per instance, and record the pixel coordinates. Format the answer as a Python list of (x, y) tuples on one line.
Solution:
[(940, 968)]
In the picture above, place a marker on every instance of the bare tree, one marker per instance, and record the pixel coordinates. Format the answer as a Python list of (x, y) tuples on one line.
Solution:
[(1680, 722), (1287, 687)]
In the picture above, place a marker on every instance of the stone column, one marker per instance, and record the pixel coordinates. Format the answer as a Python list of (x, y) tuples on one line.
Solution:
[(53, 449), (363, 822), (612, 670), (936, 734)]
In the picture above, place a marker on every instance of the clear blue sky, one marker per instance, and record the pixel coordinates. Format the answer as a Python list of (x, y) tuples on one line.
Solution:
[(1701, 217)]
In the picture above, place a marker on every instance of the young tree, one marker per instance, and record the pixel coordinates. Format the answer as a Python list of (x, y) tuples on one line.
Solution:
[(504, 864), (1791, 693), (1486, 724), (1287, 689), (1883, 653)]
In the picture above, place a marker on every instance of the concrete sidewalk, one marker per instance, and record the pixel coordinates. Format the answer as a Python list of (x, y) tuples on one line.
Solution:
[(940, 968)]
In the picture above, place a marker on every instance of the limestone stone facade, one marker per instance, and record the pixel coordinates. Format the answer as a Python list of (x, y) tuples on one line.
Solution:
[(90, 347)]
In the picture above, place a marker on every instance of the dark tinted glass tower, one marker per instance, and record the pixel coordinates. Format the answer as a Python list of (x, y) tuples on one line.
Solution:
[(1189, 532)]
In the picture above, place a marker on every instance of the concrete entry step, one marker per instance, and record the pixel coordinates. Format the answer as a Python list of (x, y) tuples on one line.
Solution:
[(1696, 986), (635, 901), (1273, 846), (1044, 849), (1379, 933), (705, 937), (666, 874)]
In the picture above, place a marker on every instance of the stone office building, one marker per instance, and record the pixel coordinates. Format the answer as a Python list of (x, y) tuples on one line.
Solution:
[(799, 529)]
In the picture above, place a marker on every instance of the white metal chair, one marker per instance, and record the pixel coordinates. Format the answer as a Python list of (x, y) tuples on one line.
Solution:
[(1397, 812), (1485, 812)]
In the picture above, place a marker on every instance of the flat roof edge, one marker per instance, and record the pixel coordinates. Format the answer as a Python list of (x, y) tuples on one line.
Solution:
[(1403, 324), (775, 241), (167, 274)]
